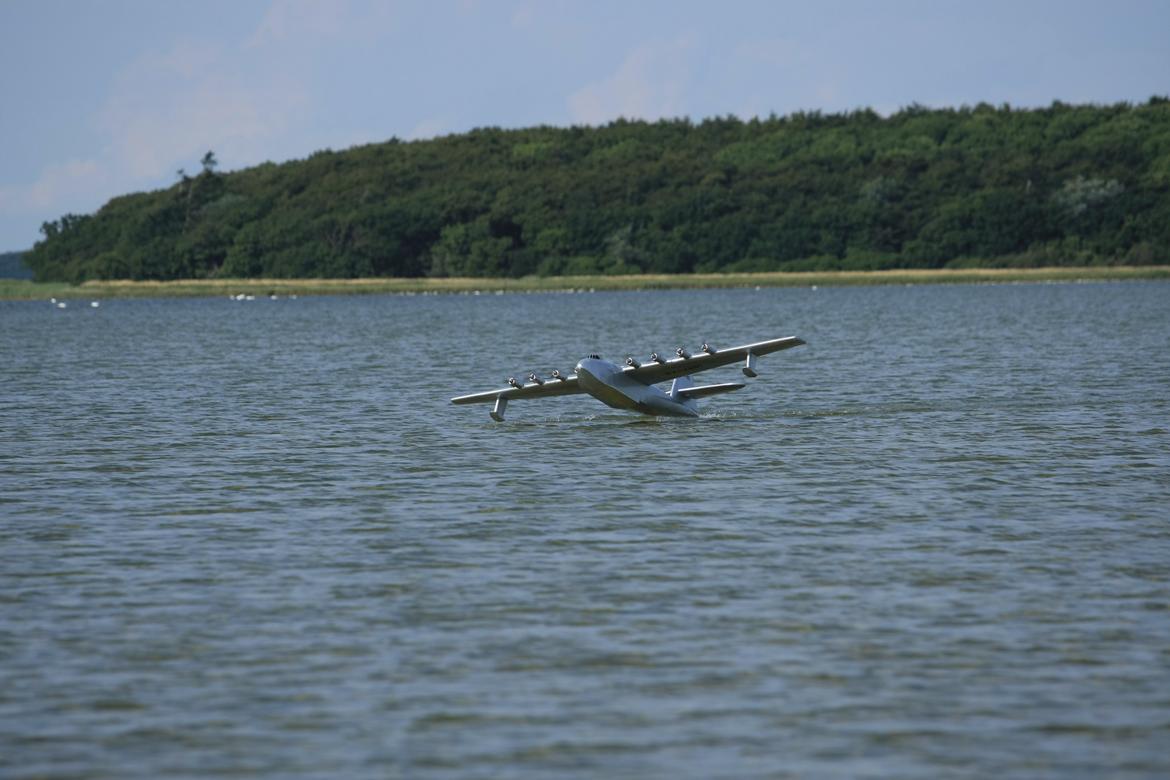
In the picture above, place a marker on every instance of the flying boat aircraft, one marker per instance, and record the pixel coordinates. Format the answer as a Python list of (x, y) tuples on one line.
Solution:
[(631, 386)]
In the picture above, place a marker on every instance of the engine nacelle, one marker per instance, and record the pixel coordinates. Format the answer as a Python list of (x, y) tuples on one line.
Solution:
[(632, 363), (534, 378), (656, 358), (682, 353), (514, 382), (710, 350), (557, 375)]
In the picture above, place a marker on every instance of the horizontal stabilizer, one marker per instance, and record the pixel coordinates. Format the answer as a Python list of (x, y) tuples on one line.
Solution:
[(702, 391)]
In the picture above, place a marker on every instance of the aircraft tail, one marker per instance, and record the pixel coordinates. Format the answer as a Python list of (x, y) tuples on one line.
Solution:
[(682, 383), (706, 390)]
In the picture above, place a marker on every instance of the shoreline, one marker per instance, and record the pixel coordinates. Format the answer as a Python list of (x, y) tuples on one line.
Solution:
[(16, 289)]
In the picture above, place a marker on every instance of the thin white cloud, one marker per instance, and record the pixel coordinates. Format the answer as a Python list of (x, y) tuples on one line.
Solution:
[(651, 83), (66, 184), (157, 119), (311, 22), (298, 19), (188, 59), (241, 99), (62, 180), (828, 93), (428, 128), (524, 15), (775, 53), (537, 15)]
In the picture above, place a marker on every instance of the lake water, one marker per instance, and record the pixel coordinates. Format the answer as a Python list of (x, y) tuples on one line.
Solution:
[(255, 539)]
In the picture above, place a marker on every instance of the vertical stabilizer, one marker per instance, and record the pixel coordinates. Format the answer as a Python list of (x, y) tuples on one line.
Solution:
[(681, 383)]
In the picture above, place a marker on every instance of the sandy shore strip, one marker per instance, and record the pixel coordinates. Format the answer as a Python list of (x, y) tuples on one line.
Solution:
[(25, 290)]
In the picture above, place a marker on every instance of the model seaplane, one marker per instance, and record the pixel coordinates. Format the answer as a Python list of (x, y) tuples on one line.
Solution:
[(631, 386)]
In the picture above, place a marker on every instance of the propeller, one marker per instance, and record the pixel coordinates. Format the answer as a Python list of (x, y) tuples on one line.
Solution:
[(631, 362)]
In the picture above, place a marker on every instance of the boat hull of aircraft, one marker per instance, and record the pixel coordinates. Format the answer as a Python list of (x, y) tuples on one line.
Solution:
[(607, 383)]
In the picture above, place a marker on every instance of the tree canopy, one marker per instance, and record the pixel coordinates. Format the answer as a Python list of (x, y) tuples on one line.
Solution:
[(12, 266), (982, 185)]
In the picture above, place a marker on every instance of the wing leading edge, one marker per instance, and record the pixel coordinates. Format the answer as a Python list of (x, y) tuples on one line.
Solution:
[(550, 387), (653, 373)]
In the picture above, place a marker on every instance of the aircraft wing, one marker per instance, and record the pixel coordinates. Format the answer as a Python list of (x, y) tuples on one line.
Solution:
[(653, 373), (551, 387)]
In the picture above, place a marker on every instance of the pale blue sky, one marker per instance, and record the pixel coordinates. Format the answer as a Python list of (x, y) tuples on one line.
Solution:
[(103, 97)]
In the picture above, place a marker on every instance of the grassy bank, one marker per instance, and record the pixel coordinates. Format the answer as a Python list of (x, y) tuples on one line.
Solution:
[(11, 289)]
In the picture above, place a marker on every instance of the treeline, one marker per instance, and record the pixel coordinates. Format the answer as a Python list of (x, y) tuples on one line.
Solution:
[(1063, 185), (12, 266)]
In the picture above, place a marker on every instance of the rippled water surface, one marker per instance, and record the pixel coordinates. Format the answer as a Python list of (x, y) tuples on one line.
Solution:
[(254, 539)]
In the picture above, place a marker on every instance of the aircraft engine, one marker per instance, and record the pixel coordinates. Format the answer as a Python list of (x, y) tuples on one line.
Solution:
[(710, 350), (556, 374), (534, 378), (682, 353), (631, 362), (656, 358), (514, 382)]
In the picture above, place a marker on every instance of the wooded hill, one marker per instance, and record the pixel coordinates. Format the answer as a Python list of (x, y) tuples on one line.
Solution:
[(12, 266), (922, 188)]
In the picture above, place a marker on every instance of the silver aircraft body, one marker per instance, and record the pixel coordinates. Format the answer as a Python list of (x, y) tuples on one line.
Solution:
[(632, 386)]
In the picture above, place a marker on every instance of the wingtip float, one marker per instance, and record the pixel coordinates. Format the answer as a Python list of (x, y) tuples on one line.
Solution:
[(631, 386)]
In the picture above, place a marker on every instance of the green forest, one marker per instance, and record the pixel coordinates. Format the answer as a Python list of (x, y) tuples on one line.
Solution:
[(12, 266), (922, 188)]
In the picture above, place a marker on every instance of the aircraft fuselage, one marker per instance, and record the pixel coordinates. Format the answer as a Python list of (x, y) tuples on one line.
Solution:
[(608, 383)]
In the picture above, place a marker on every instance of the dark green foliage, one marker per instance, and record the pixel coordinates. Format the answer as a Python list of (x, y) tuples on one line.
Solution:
[(12, 266), (923, 188)]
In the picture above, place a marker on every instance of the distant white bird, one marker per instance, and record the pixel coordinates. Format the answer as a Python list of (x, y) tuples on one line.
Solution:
[(61, 305), (95, 304)]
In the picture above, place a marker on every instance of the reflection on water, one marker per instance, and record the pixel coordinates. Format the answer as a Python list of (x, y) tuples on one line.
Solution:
[(256, 539)]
